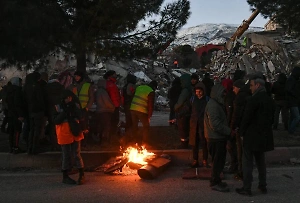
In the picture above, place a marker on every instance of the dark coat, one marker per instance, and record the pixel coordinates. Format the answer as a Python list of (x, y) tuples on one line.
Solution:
[(293, 88), (256, 126), (278, 88), (54, 91), (228, 100), (39, 98), (197, 118), (239, 105)]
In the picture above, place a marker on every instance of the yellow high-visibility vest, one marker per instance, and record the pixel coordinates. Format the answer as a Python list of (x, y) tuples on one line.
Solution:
[(83, 95), (140, 99)]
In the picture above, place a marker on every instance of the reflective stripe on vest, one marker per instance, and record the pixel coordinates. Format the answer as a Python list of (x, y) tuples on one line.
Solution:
[(140, 99), (83, 95)]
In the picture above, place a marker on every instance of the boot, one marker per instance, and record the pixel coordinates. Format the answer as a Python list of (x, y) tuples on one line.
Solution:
[(81, 178), (67, 179)]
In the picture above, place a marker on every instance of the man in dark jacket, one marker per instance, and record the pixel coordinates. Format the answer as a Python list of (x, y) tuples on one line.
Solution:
[(293, 98), (257, 134), (242, 92), (183, 110), (54, 91), (198, 102), (15, 107), (216, 131), (141, 109), (127, 93), (173, 95), (208, 82), (39, 114), (279, 91)]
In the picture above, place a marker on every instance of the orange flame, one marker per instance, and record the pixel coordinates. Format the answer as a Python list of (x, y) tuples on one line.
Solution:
[(139, 156)]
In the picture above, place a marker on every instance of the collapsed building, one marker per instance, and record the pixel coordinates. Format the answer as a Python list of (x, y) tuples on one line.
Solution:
[(269, 52)]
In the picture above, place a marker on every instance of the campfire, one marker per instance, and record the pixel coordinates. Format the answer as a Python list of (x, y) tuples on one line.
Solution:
[(137, 160)]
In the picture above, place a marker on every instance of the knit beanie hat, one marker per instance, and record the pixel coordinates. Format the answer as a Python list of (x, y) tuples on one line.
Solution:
[(239, 83)]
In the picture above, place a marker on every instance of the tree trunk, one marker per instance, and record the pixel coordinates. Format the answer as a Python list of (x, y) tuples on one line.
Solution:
[(81, 60)]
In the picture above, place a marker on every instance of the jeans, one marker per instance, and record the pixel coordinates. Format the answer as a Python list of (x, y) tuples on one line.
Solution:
[(70, 153), (294, 119)]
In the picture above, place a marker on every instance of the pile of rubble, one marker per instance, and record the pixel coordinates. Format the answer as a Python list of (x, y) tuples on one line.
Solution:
[(266, 52)]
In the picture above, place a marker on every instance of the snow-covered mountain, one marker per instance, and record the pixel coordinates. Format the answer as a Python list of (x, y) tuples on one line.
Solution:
[(208, 34)]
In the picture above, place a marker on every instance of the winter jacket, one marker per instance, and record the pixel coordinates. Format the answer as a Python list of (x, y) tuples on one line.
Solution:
[(14, 99), (63, 131), (54, 91), (39, 98), (239, 105), (185, 94), (103, 101), (293, 88), (197, 115), (113, 91), (256, 126), (28, 89), (215, 119), (278, 88)]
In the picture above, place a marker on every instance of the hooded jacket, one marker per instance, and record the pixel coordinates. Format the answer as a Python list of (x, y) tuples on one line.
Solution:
[(103, 101), (186, 91), (215, 120)]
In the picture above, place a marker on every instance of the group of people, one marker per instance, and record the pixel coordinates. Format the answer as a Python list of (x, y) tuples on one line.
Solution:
[(236, 116), (65, 110)]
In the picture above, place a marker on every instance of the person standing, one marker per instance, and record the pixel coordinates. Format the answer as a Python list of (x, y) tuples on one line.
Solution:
[(39, 114), (54, 91), (183, 110), (114, 94), (127, 95), (279, 91), (293, 98), (216, 131), (198, 102), (173, 95), (15, 108), (85, 94), (104, 110), (141, 109), (209, 83), (70, 141), (3, 95), (257, 134), (242, 92)]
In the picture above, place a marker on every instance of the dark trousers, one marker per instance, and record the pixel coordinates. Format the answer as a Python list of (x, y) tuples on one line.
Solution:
[(232, 150), (239, 150), (217, 150), (70, 153), (51, 131), (26, 129), (143, 117), (200, 137), (259, 157), (184, 128), (37, 131), (14, 132), (128, 119), (114, 121), (103, 119), (281, 106)]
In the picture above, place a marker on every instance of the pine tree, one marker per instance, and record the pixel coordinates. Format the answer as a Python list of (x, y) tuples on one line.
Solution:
[(284, 12), (30, 29)]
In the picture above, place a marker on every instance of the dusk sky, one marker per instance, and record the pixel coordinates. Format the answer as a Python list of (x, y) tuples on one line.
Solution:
[(220, 11)]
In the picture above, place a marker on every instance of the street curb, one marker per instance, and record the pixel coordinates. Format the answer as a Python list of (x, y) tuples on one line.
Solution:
[(96, 158)]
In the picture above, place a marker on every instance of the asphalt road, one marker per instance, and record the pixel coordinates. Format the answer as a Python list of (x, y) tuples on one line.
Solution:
[(45, 186)]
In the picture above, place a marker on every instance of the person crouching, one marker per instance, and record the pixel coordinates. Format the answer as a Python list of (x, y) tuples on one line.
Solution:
[(69, 135)]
